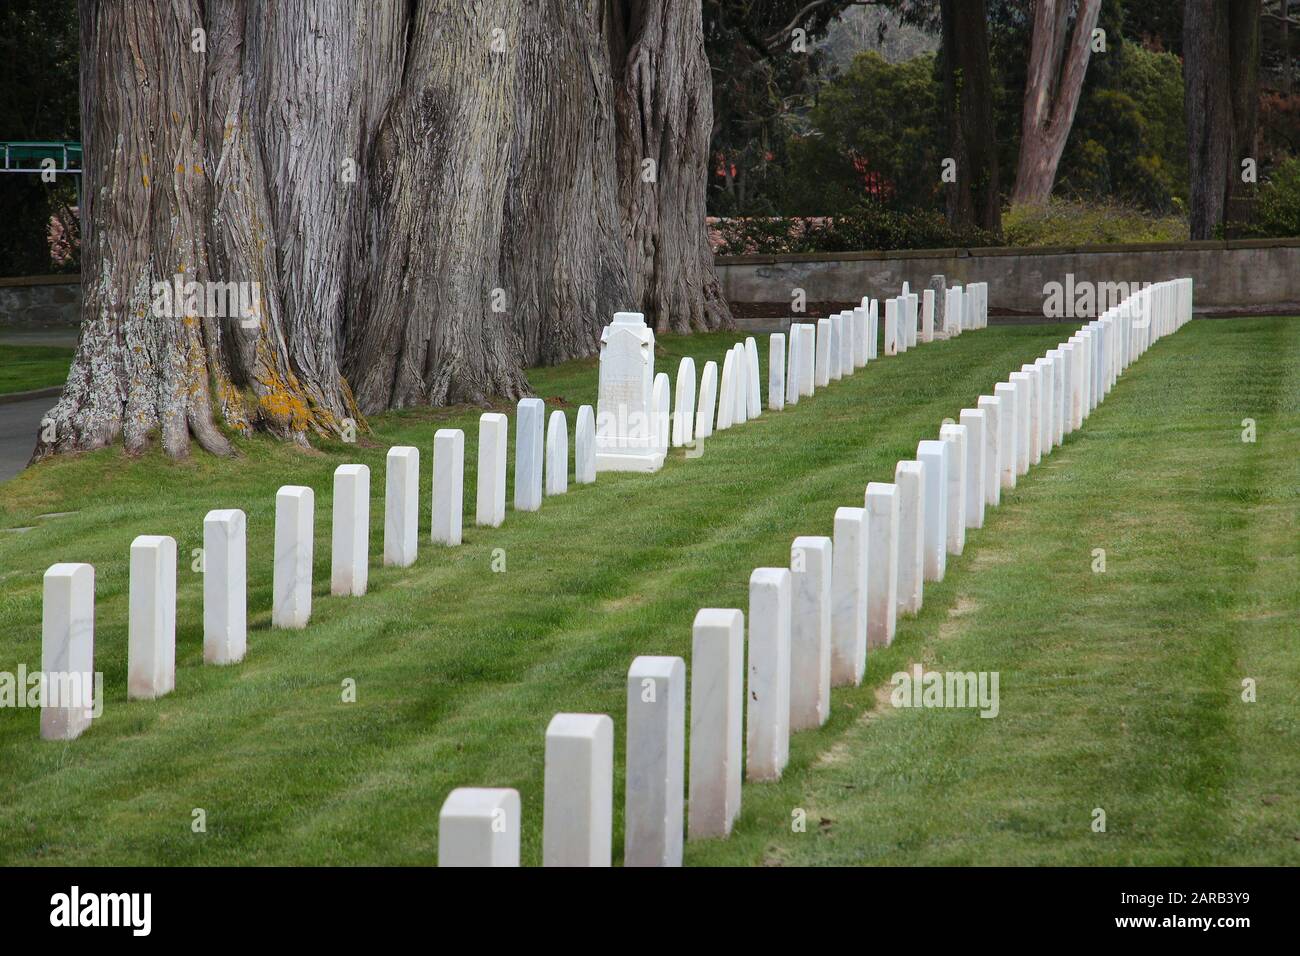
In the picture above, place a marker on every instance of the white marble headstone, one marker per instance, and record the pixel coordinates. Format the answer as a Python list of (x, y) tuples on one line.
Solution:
[(662, 402), (225, 586), (490, 491), (891, 327), (557, 454), (727, 392), (448, 485), (882, 563), (849, 597), (151, 637), (956, 438), (655, 762), (68, 651), (578, 810), (684, 408), (584, 446), (792, 366), (836, 357), (974, 419), (909, 479), (530, 424), (1008, 455), (479, 827), (776, 372), (768, 695), (807, 357), (704, 412), (991, 406), (740, 385), (350, 539), (402, 505), (935, 456), (295, 526), (823, 370), (810, 631), (626, 439), (754, 395), (717, 702)]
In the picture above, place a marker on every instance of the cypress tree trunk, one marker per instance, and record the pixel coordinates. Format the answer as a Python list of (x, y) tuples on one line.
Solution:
[(427, 195), (665, 119), (1207, 100), (145, 211), (974, 199), (1243, 70), (491, 236), (1221, 96)]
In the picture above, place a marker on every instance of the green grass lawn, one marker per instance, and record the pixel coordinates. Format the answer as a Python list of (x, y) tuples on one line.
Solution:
[(27, 367), (1118, 690)]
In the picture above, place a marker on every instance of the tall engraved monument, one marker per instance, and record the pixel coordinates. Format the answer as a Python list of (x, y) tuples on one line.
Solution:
[(625, 429)]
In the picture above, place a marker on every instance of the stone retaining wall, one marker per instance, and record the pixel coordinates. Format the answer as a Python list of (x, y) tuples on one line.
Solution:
[(1244, 276), (40, 302)]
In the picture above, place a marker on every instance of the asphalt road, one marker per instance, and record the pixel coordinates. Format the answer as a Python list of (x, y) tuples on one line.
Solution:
[(19, 424)]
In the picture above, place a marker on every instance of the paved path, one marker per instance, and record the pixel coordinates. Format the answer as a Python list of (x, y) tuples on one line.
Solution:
[(19, 423)]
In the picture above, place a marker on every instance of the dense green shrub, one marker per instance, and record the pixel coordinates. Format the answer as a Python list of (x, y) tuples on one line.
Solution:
[(1277, 211), (867, 226), (1064, 223), (878, 132), (1129, 139), (872, 227)]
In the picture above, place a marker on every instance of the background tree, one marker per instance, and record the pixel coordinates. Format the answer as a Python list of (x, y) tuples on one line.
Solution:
[(878, 138), (763, 80), (974, 199), (38, 102), (1058, 63), (1220, 71)]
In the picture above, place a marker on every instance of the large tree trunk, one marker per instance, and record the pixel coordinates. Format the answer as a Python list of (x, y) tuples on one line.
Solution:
[(665, 120), (429, 195), (145, 210), (973, 200), (1058, 62), (492, 237), (1220, 73), (1243, 66), (282, 202)]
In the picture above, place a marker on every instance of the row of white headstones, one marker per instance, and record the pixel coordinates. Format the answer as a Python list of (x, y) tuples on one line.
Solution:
[(818, 354), (541, 468), (810, 626), (787, 691)]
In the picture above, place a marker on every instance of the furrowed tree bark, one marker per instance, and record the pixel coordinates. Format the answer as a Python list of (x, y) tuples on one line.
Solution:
[(1221, 96), (664, 107), (426, 195), (1243, 71), (1208, 101), (1058, 63), (242, 242), (136, 373), (973, 199), (323, 70), (520, 262)]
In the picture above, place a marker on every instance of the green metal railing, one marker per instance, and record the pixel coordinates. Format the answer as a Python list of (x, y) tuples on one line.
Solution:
[(28, 157)]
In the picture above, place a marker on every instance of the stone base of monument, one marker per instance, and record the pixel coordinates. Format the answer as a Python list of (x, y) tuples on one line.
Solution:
[(628, 461)]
